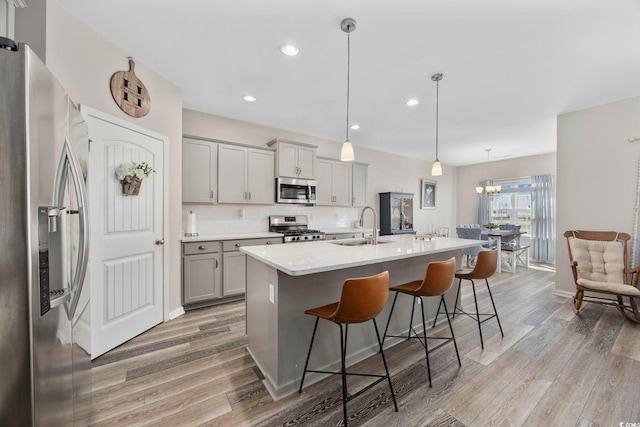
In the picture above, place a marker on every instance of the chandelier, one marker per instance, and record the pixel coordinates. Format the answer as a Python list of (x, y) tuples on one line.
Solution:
[(488, 189)]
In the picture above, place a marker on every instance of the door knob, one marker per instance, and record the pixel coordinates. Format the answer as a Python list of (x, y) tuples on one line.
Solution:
[(160, 242)]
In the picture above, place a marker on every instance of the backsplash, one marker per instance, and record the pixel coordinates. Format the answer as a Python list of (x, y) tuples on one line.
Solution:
[(220, 219)]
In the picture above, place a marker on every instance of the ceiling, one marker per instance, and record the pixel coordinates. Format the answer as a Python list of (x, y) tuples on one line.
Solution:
[(510, 67)]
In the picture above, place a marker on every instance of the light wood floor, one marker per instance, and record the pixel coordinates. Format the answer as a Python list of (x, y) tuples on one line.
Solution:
[(552, 368)]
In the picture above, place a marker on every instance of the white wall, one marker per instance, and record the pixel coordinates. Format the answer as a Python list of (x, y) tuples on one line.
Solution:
[(597, 174), (387, 172), (469, 176), (83, 62)]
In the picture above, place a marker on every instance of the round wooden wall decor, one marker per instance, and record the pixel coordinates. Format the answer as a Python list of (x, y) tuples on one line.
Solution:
[(129, 92)]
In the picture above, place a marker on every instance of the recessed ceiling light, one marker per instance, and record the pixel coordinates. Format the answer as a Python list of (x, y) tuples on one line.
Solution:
[(249, 98), (355, 127), (289, 49), (412, 102)]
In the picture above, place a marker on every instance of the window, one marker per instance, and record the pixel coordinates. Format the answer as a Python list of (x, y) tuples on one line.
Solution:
[(513, 204)]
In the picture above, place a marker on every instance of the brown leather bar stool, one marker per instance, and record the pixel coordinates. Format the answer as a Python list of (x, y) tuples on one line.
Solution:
[(437, 281), (485, 267), (362, 300)]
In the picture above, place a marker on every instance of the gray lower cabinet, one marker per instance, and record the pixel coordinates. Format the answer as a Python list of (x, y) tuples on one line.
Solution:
[(234, 278), (215, 271), (234, 275), (201, 272)]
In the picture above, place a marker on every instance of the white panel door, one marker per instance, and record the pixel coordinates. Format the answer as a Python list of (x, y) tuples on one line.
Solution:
[(126, 259)]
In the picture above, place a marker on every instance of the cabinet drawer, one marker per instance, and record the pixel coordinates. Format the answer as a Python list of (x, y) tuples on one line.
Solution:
[(234, 245), (200, 248), (342, 236)]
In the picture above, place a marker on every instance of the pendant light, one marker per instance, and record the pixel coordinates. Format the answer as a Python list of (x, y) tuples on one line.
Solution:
[(348, 25), (488, 189), (436, 169)]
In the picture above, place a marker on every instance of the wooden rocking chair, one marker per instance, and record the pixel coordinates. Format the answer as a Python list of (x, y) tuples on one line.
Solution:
[(599, 264)]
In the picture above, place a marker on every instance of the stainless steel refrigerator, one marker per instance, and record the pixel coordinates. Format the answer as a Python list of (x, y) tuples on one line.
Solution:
[(44, 329)]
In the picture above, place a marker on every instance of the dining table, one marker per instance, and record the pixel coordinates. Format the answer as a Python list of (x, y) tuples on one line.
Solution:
[(497, 235)]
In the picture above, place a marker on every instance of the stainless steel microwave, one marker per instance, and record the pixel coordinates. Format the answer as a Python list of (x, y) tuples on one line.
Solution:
[(293, 190)]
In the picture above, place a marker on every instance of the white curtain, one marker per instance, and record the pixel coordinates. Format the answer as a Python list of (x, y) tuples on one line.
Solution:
[(544, 224), (635, 249), (484, 205)]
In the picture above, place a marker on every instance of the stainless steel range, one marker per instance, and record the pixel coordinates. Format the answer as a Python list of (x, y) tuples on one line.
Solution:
[(294, 227)]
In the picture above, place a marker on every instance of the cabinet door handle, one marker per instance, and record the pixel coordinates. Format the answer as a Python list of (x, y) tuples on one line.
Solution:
[(216, 262), (160, 242), (249, 195), (354, 201), (268, 242), (202, 248), (212, 194), (237, 245)]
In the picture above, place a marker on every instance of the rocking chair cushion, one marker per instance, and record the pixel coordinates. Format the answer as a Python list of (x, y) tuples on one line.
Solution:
[(614, 288), (599, 261)]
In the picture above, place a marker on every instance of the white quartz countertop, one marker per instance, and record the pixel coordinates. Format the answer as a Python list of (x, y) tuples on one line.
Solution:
[(232, 236), (297, 259)]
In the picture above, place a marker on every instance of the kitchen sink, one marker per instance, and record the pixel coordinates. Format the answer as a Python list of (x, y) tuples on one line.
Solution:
[(362, 242)]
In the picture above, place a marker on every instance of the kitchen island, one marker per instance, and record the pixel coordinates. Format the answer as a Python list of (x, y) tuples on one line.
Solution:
[(285, 280)]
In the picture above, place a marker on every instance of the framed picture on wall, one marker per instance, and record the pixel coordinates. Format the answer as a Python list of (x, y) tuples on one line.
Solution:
[(428, 194)]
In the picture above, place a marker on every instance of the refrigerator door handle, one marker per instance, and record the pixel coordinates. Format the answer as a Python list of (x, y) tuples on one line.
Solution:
[(69, 163)]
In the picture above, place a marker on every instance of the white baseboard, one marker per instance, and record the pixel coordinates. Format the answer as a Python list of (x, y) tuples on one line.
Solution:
[(176, 313), (564, 294)]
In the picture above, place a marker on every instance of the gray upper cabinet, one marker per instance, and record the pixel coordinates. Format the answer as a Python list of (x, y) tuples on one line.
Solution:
[(245, 175), (294, 160), (260, 183), (199, 173), (360, 177), (333, 183)]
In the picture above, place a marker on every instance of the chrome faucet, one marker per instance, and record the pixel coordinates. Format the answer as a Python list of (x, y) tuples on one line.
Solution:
[(375, 223)]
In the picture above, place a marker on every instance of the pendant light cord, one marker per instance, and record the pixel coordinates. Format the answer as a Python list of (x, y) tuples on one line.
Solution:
[(348, 75), (437, 101)]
